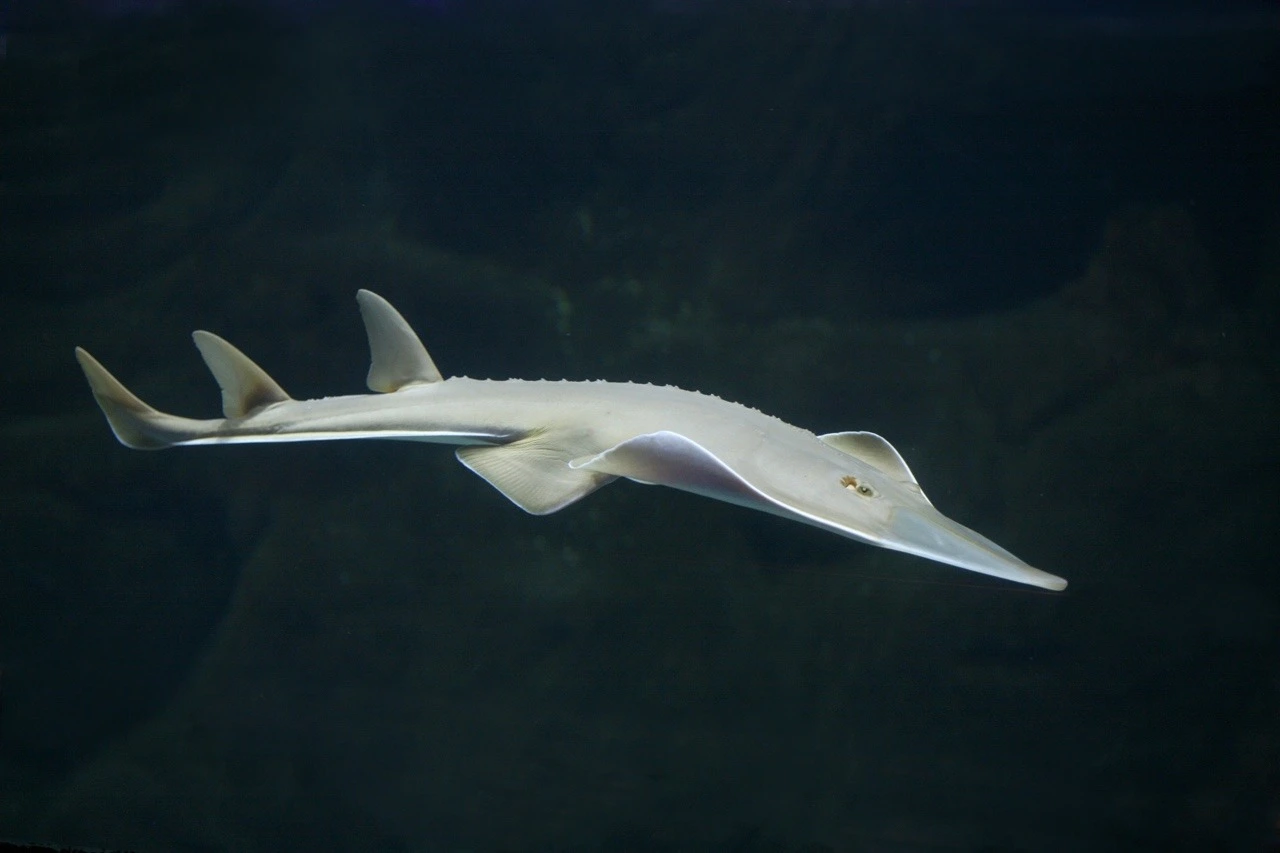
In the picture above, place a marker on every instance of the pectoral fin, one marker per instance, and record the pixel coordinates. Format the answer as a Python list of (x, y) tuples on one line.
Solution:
[(669, 459), (533, 473)]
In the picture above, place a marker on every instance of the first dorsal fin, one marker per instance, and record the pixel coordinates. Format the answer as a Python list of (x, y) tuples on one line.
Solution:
[(245, 386), (399, 358)]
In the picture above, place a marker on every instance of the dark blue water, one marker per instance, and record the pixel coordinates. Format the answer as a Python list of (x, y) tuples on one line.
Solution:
[(1039, 251)]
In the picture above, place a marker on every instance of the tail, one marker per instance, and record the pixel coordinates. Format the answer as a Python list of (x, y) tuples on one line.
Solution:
[(245, 389), (136, 424), (398, 361)]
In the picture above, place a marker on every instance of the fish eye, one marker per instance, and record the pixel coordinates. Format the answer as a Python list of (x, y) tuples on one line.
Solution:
[(851, 483)]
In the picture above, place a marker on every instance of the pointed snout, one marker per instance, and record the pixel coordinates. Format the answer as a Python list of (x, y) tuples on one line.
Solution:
[(928, 533)]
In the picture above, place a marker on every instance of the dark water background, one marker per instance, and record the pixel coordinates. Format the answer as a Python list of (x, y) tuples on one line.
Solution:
[(1037, 250)]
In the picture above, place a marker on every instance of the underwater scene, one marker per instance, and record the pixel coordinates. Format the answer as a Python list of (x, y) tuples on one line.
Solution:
[(986, 278)]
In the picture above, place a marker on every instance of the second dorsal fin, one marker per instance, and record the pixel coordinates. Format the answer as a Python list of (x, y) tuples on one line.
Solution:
[(399, 358), (245, 386)]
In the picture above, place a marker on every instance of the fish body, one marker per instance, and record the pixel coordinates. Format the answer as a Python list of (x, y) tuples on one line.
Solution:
[(547, 444)]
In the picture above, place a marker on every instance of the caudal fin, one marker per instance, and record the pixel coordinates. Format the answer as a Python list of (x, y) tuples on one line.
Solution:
[(132, 420)]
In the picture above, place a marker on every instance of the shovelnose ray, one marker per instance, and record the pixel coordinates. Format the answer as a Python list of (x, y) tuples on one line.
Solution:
[(547, 444)]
